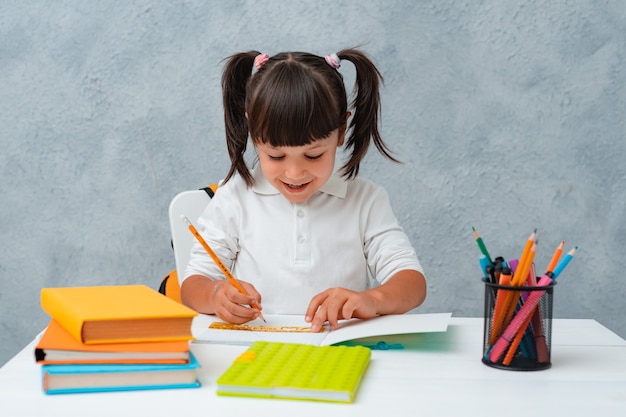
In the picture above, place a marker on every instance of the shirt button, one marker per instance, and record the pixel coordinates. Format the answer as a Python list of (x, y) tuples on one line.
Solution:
[(301, 239), (300, 213)]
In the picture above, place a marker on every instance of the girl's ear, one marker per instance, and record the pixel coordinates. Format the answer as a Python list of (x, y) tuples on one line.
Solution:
[(342, 130)]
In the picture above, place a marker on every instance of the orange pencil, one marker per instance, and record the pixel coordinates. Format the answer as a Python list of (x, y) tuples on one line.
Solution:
[(499, 308), (516, 341), (219, 263), (523, 269), (504, 315), (521, 273), (555, 257), (540, 342)]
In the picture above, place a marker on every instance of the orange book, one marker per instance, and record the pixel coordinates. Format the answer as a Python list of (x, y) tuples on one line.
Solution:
[(117, 314), (57, 346)]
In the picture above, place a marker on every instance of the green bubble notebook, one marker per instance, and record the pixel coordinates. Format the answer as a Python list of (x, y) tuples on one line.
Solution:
[(296, 371)]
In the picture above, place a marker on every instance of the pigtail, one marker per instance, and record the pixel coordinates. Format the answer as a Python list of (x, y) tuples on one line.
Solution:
[(366, 111), (234, 81)]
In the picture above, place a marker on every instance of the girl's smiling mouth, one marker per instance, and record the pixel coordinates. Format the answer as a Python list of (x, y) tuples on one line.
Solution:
[(296, 187)]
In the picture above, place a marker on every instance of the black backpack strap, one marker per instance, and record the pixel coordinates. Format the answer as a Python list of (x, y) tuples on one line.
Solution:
[(164, 282), (209, 191)]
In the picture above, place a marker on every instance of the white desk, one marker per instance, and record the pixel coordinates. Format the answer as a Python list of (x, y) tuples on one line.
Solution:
[(442, 377)]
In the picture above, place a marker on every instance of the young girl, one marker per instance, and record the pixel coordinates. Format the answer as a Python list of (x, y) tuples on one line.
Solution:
[(301, 233)]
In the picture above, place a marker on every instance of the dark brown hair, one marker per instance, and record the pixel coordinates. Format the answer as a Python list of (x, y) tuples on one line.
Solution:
[(296, 98)]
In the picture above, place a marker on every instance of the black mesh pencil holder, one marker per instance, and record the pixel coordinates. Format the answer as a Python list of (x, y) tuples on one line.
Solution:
[(517, 333)]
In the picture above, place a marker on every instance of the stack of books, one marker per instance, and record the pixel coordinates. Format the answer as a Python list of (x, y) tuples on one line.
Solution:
[(114, 338)]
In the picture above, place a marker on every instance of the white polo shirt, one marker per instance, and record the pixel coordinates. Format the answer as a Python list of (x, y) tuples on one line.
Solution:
[(343, 235)]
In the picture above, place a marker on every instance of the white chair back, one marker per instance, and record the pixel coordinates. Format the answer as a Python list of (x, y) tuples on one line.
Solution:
[(191, 204)]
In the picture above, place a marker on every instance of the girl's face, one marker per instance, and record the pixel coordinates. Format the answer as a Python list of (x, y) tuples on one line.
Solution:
[(299, 171)]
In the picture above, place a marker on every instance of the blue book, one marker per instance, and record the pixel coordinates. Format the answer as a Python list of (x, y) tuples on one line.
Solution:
[(66, 379)]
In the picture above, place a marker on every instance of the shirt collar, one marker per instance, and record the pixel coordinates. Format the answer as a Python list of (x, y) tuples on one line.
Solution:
[(336, 185)]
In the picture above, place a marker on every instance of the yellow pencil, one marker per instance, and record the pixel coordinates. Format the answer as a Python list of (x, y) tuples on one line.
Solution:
[(219, 263)]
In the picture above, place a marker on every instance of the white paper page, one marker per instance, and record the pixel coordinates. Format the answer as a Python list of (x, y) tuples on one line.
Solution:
[(348, 330), (387, 325)]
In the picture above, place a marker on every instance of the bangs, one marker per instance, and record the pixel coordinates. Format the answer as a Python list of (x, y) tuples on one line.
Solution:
[(292, 105)]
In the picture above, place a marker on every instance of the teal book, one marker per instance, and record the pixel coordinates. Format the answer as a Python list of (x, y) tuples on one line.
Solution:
[(296, 371), (67, 379)]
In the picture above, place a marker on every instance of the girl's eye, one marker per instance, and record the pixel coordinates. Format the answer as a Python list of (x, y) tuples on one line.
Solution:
[(275, 158), (313, 157)]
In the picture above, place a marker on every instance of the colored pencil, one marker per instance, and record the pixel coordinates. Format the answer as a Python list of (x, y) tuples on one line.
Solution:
[(555, 257), (481, 245), (219, 263)]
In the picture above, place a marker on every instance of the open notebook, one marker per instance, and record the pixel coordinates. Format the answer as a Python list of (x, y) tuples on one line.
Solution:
[(293, 329)]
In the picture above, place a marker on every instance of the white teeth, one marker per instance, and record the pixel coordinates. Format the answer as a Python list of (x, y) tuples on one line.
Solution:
[(295, 186)]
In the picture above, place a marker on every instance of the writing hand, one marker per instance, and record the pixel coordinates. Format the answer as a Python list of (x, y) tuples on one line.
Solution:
[(337, 304), (232, 306)]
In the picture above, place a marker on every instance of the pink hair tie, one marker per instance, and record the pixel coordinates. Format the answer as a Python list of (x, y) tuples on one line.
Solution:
[(333, 60), (260, 60)]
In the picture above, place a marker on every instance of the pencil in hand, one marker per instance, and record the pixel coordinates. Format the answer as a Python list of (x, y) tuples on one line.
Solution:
[(219, 263)]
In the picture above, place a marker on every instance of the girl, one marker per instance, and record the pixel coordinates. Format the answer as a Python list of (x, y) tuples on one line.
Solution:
[(297, 228)]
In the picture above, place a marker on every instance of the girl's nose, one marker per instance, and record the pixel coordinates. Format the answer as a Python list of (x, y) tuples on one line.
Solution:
[(294, 171)]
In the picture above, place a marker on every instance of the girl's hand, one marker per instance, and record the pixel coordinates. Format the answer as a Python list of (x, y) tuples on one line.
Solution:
[(232, 306), (337, 304)]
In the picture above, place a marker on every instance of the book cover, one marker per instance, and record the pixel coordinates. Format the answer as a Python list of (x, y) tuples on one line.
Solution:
[(67, 379), (58, 346), (296, 371), (293, 329), (117, 314)]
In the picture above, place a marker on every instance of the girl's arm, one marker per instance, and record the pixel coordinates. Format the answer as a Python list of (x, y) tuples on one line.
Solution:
[(402, 292)]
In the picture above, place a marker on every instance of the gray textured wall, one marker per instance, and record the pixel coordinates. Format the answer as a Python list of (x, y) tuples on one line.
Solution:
[(508, 115)]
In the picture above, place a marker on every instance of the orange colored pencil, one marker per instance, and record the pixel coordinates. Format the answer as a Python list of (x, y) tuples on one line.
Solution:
[(523, 269), (516, 341), (542, 351), (555, 257), (521, 273), (219, 263), (507, 306), (499, 308)]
